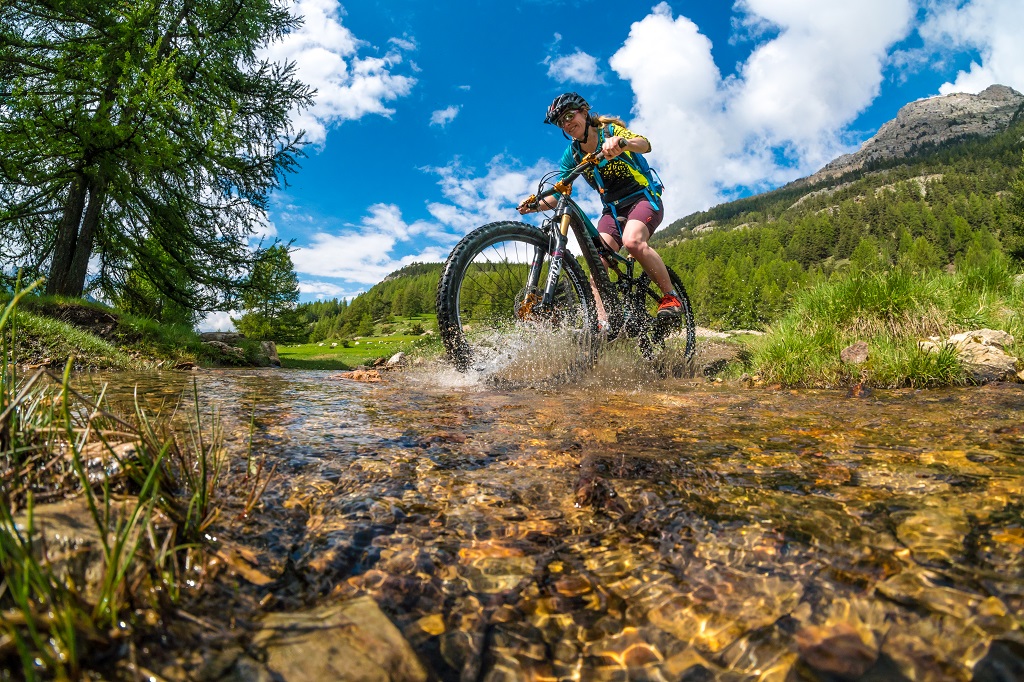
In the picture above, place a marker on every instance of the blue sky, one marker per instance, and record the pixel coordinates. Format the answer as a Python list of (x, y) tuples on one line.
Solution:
[(428, 121)]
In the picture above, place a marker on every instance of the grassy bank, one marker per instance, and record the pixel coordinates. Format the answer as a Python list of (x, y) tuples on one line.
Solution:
[(364, 351), (891, 311), (51, 329), (144, 505)]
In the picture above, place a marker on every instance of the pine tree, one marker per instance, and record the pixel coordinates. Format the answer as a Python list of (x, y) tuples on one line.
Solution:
[(270, 299), (1013, 240), (128, 124)]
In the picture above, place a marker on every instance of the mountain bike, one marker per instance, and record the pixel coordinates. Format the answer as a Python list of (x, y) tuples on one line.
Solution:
[(512, 298)]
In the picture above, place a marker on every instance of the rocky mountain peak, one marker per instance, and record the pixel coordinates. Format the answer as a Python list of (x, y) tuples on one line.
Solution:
[(1000, 93), (932, 121)]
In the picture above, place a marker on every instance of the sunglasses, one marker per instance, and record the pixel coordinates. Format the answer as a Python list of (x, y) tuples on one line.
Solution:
[(566, 117)]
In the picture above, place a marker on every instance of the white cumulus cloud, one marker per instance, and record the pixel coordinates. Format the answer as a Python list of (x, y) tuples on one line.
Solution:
[(218, 321), (990, 27), (364, 253), (578, 67), (328, 57), (472, 200), (816, 65), (443, 117), (325, 289)]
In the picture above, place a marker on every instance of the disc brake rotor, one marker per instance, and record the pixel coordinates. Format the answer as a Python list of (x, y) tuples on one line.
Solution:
[(526, 310)]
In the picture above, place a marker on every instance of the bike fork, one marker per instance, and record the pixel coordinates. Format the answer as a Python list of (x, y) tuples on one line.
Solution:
[(555, 264)]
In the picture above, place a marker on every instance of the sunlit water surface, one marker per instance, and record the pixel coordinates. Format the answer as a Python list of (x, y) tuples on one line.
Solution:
[(630, 528)]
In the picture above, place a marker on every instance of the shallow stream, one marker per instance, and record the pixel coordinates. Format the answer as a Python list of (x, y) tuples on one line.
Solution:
[(643, 529)]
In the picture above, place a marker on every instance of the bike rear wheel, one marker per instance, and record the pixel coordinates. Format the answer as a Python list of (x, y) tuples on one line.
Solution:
[(655, 334), (490, 314)]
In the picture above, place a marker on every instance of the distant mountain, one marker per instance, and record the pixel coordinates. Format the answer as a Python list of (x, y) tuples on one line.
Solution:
[(928, 123), (920, 128)]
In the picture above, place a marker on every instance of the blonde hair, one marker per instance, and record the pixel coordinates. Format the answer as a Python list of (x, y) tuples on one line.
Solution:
[(601, 120)]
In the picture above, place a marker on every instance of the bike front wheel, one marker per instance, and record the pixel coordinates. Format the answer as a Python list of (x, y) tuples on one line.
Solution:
[(490, 312)]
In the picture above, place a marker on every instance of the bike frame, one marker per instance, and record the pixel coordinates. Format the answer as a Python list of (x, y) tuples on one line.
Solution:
[(568, 215)]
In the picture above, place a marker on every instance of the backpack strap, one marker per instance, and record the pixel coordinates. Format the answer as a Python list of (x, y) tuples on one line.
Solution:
[(597, 168), (627, 157), (637, 162)]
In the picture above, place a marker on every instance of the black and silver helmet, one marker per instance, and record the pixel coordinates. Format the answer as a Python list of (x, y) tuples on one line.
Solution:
[(563, 103)]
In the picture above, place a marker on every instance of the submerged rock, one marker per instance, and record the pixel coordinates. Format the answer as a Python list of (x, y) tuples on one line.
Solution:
[(1004, 661), (838, 650), (350, 641), (369, 376)]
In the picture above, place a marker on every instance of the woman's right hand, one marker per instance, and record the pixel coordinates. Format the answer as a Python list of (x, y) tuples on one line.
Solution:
[(527, 205)]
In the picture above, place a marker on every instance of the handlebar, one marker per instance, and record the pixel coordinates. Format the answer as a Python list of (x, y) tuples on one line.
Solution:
[(565, 184)]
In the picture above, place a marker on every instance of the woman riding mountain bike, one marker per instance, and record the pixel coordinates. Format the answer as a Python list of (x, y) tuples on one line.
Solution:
[(633, 208), (514, 303)]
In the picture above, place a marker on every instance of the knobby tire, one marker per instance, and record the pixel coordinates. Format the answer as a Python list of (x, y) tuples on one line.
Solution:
[(480, 307)]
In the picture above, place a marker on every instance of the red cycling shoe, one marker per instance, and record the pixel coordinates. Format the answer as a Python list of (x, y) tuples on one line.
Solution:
[(670, 307)]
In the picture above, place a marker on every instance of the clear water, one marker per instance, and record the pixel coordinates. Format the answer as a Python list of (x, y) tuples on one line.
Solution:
[(633, 528)]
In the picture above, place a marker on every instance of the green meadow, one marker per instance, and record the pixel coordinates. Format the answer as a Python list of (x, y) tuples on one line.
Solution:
[(344, 354)]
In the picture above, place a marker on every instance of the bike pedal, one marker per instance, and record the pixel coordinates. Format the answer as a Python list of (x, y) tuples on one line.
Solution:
[(666, 323)]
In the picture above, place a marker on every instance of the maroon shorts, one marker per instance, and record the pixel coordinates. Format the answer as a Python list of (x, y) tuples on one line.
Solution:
[(641, 210)]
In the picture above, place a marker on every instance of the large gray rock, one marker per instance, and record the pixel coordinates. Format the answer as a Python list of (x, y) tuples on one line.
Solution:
[(226, 348), (223, 337), (342, 643), (270, 350), (982, 352)]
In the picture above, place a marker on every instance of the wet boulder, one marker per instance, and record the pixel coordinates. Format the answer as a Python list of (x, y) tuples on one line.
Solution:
[(67, 536)]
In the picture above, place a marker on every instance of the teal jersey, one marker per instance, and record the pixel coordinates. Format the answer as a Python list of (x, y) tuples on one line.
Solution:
[(619, 178)]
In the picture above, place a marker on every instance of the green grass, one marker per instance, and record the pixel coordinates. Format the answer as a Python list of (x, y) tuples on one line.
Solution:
[(63, 619), (892, 311), (388, 338), (51, 341), (322, 356)]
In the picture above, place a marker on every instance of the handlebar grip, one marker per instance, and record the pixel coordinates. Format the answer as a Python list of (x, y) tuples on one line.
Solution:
[(599, 154), (529, 202)]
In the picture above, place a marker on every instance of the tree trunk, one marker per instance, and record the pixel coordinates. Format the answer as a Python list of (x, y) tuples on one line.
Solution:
[(67, 237), (75, 282)]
